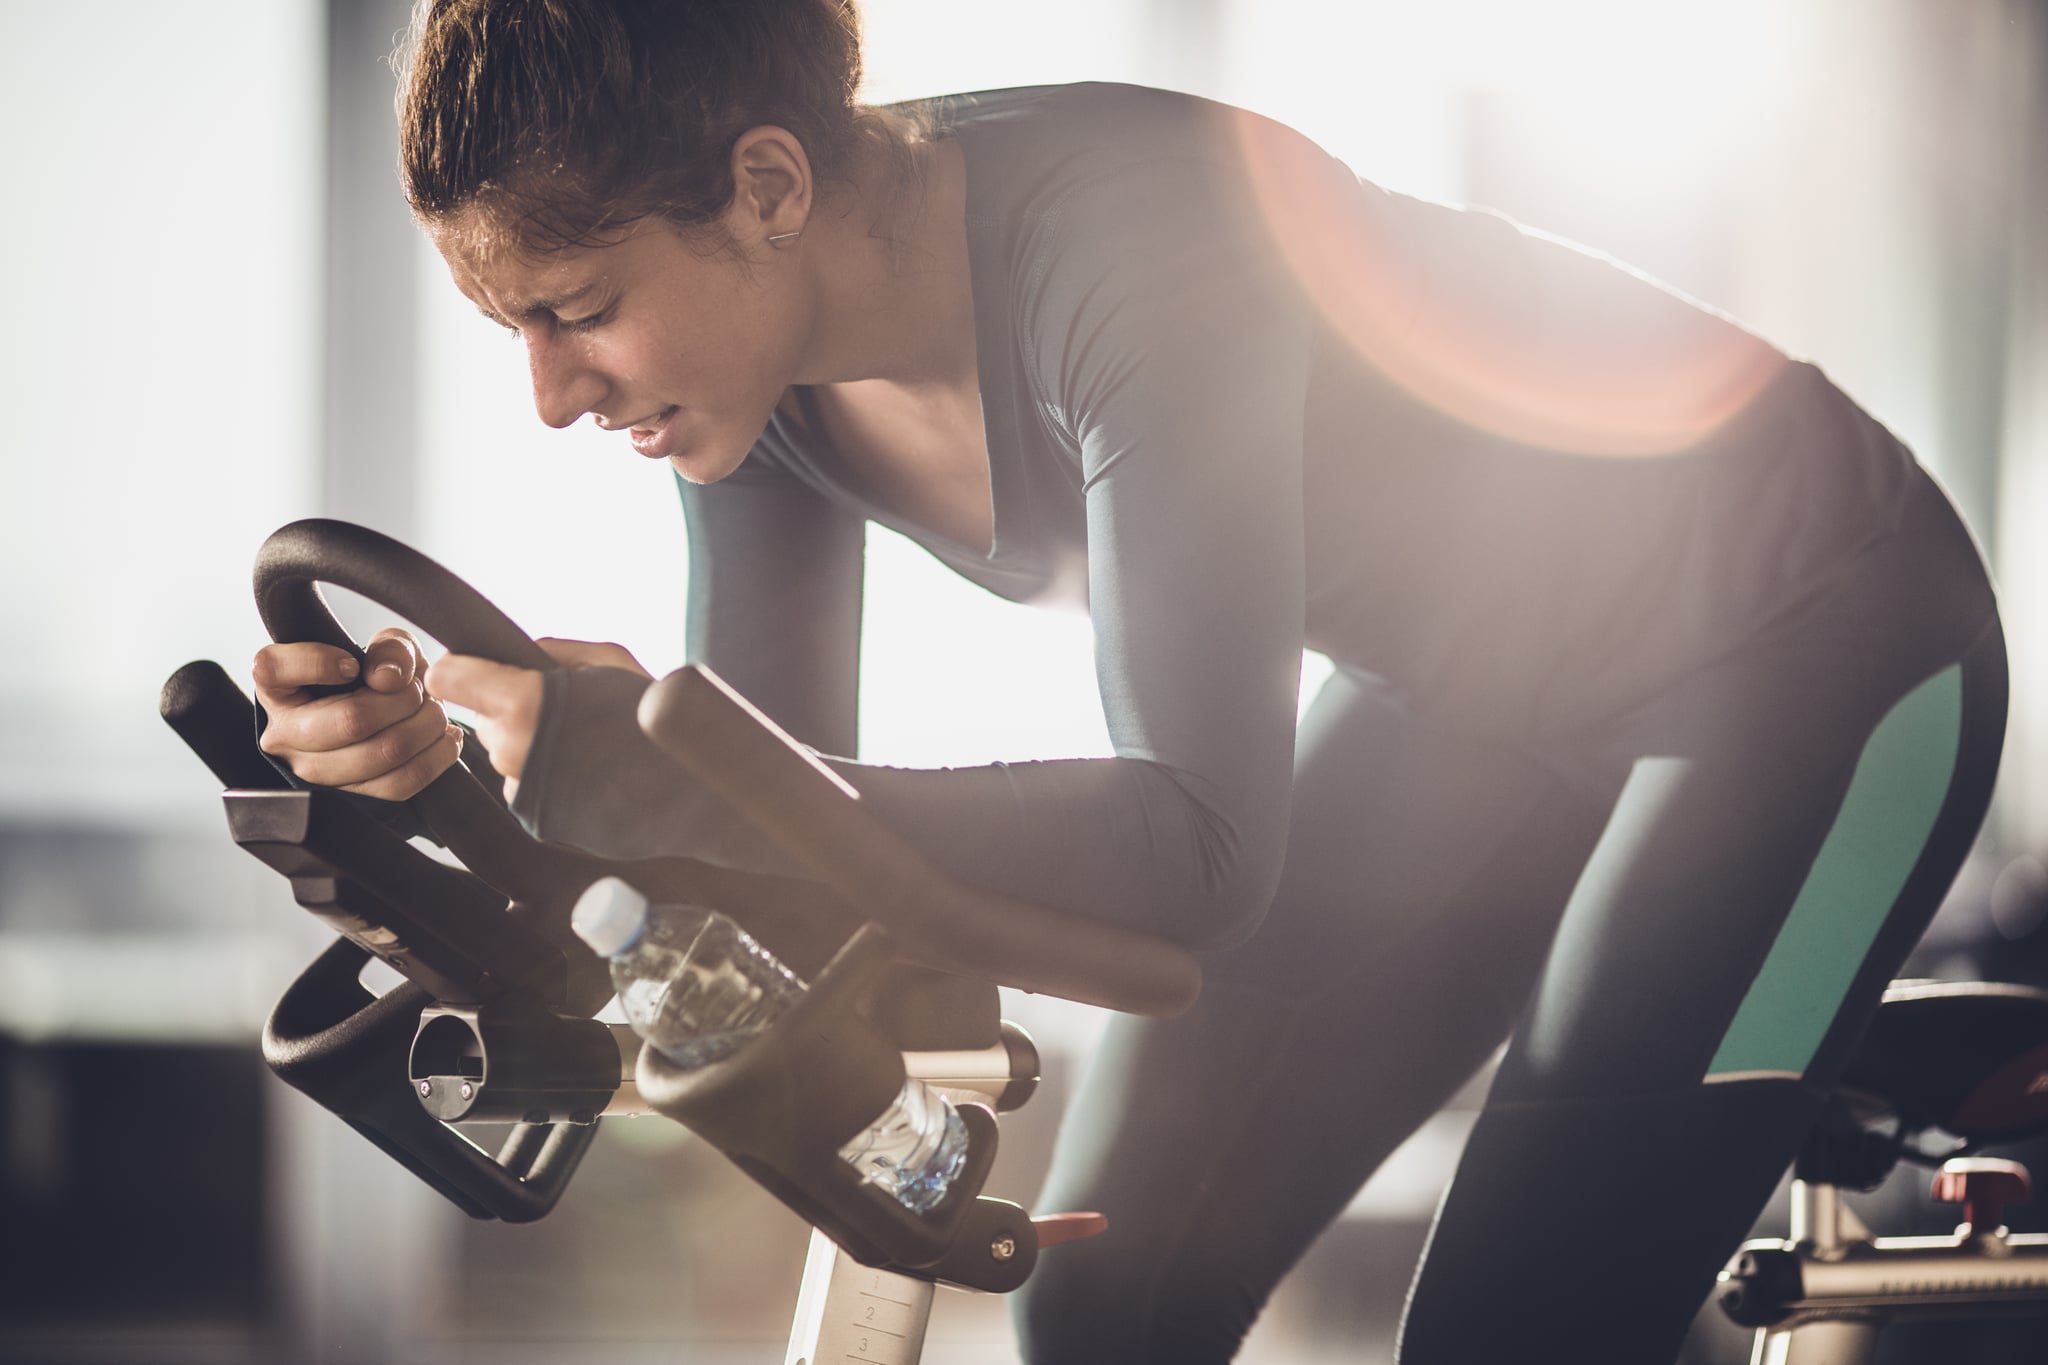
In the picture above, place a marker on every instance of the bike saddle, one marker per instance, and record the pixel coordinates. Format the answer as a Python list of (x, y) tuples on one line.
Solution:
[(1946, 1067), (1969, 1058)]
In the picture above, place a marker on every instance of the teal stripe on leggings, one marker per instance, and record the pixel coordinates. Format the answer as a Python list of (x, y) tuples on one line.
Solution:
[(1884, 823)]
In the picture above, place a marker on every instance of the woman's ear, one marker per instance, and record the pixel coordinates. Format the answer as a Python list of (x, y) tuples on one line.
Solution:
[(772, 187)]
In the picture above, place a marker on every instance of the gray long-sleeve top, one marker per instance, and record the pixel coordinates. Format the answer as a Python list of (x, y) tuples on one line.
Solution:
[(1255, 405)]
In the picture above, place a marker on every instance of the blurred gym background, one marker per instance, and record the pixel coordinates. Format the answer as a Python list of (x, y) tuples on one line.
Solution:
[(222, 320)]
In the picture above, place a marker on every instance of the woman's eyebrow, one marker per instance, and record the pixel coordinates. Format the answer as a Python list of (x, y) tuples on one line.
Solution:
[(549, 305)]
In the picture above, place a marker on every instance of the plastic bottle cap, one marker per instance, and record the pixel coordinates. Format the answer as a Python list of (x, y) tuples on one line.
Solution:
[(609, 916)]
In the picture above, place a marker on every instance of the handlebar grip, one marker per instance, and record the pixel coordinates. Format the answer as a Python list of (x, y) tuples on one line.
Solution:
[(218, 721), (346, 1049), (818, 819)]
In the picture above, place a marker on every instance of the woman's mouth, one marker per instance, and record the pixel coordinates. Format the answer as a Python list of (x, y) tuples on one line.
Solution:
[(653, 437)]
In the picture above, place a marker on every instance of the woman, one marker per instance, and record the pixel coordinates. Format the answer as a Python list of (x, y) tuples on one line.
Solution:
[(1668, 689)]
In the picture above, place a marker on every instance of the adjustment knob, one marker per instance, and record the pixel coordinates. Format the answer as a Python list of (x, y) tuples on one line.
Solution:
[(1054, 1228), (1983, 1186)]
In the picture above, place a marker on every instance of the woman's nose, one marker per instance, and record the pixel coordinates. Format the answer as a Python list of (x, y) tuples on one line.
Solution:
[(564, 388)]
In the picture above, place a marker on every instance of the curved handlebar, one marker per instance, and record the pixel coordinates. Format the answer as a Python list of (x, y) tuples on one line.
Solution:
[(318, 550)]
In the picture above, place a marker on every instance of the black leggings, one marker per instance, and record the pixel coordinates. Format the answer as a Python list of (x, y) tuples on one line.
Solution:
[(1683, 915)]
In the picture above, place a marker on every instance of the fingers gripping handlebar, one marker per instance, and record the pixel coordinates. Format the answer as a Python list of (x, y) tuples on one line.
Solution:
[(292, 564)]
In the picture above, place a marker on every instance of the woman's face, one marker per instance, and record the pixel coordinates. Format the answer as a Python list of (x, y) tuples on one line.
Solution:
[(684, 347)]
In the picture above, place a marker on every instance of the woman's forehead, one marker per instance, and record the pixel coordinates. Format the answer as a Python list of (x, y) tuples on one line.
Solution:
[(477, 240), (492, 266)]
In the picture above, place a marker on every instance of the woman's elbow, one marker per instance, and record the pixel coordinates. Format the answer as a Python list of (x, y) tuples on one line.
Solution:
[(1225, 905)]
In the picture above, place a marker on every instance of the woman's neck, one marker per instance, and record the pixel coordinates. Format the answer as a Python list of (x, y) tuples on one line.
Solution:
[(888, 262)]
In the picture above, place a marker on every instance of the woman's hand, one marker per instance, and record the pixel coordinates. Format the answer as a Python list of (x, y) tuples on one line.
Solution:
[(506, 699), (386, 739)]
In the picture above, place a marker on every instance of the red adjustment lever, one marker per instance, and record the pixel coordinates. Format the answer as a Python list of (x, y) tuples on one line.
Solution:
[(1054, 1228), (1983, 1186)]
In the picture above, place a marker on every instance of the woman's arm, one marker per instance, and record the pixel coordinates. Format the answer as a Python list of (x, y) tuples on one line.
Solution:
[(775, 601), (1176, 354)]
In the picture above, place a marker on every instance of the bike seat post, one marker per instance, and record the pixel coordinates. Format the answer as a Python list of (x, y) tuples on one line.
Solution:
[(1824, 1228), (1830, 1342), (1822, 1224)]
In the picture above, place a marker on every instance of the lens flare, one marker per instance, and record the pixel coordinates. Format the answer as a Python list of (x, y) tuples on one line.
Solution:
[(1497, 326)]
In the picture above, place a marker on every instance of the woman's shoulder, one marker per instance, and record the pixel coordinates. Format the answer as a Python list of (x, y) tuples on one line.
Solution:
[(1082, 102), (1095, 127), (1053, 171)]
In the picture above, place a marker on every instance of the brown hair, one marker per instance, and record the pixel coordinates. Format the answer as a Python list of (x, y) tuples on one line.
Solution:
[(567, 120)]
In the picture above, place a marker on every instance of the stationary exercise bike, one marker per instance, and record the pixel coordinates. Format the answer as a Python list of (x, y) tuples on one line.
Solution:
[(1946, 1068), (494, 1022)]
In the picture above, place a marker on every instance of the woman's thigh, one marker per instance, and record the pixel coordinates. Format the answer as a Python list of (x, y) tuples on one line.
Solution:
[(1790, 822), (1425, 873)]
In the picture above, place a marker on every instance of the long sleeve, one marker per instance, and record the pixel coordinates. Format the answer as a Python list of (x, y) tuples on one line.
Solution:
[(1176, 357), (776, 573)]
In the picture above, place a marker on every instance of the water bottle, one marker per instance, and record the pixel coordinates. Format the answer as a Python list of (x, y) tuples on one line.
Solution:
[(696, 985)]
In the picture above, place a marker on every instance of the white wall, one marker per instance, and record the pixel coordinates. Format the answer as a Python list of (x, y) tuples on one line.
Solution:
[(158, 371)]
